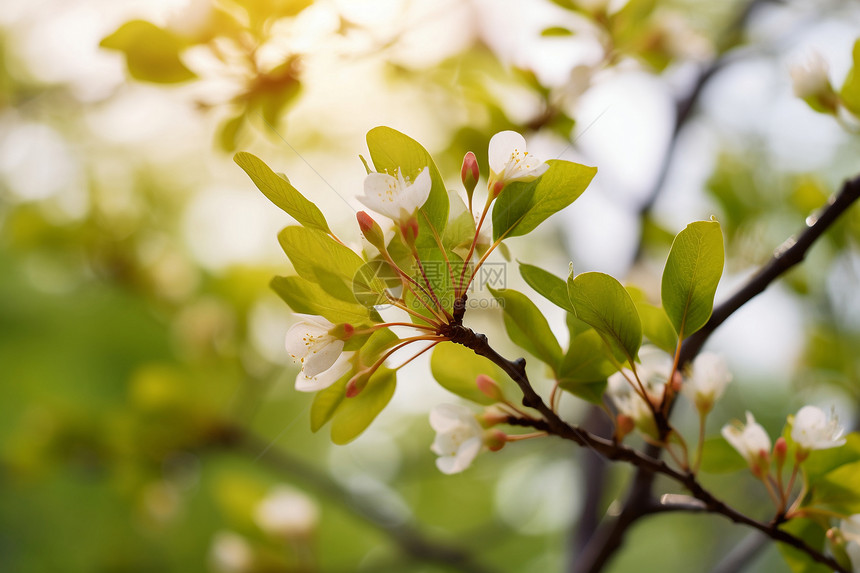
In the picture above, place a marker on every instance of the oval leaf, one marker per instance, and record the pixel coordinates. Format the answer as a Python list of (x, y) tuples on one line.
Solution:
[(546, 284), (151, 53), (390, 150), (279, 191), (528, 328), (523, 206), (456, 368), (354, 415), (601, 301), (690, 279), (584, 369)]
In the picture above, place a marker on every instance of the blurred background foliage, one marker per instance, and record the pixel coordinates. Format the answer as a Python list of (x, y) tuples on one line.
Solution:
[(148, 408)]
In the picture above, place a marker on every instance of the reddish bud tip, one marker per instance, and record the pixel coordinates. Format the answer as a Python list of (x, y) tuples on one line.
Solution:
[(497, 188), (365, 222), (371, 230), (489, 388), (495, 440), (624, 424), (677, 382), (356, 384), (348, 330), (409, 229), (470, 173), (492, 416)]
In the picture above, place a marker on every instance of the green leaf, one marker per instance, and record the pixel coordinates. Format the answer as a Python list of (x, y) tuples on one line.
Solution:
[(528, 328), (838, 490), (655, 324), (279, 191), (308, 298), (322, 260), (850, 91), (718, 456), (548, 285), (511, 207), (456, 368), (691, 275), (390, 150), (821, 462), (584, 369), (151, 53), (354, 415), (521, 207), (601, 301), (327, 402)]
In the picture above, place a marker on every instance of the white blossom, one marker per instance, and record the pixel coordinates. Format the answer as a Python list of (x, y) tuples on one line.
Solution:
[(709, 376), (395, 196), (459, 437), (812, 430), (509, 161), (320, 353), (810, 79), (750, 440), (850, 529), (653, 370), (230, 553), (285, 512)]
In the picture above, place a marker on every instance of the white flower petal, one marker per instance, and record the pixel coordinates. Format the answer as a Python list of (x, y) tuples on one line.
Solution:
[(812, 430), (502, 145), (749, 440), (322, 357), (396, 197), (325, 379), (459, 437)]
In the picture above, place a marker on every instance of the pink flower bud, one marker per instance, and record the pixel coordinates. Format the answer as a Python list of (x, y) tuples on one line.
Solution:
[(357, 383), (624, 424), (492, 416), (779, 450), (409, 228), (470, 173), (371, 230), (489, 388), (495, 440)]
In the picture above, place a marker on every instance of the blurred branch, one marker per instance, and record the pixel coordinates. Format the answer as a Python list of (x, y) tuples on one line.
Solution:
[(685, 106), (410, 540), (741, 554), (790, 253)]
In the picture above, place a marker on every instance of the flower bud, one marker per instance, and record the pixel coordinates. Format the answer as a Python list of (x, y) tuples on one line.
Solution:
[(779, 450), (343, 331), (357, 383), (470, 174), (371, 230), (409, 228), (624, 424), (493, 415), (495, 440), (489, 388)]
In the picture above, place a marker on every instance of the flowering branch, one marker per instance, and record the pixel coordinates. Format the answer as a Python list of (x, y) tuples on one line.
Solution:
[(615, 451), (793, 251)]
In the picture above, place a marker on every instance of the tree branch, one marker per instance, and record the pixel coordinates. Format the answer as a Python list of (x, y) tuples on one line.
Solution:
[(410, 540), (789, 254), (639, 503)]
